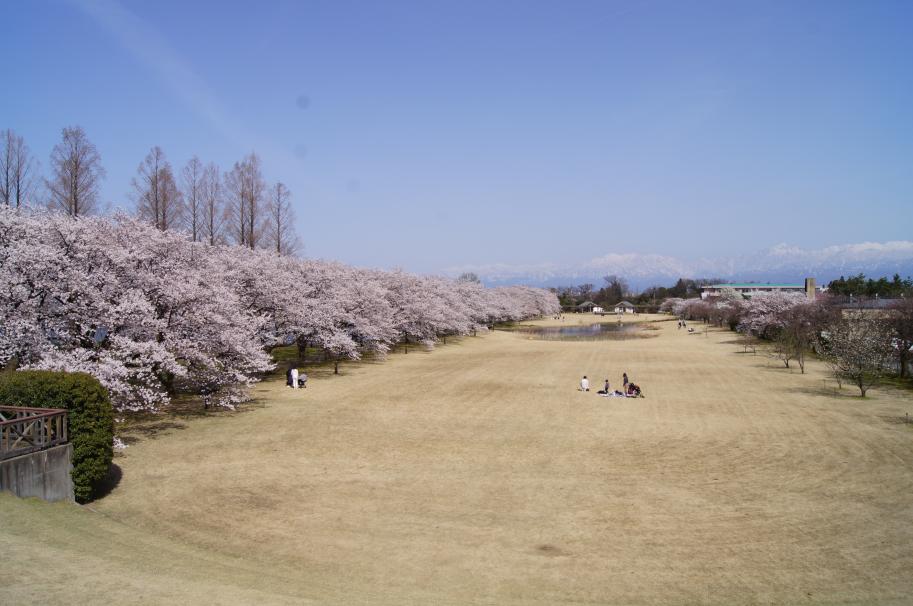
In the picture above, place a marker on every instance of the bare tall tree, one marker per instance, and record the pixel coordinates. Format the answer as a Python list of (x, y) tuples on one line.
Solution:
[(155, 192), (76, 173), (245, 191), (17, 170), (6, 167), (280, 233), (192, 188), (213, 206)]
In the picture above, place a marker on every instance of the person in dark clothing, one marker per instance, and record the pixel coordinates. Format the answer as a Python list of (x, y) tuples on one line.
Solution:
[(624, 377)]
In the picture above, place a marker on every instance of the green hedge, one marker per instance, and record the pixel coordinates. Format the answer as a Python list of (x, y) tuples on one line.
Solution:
[(90, 418)]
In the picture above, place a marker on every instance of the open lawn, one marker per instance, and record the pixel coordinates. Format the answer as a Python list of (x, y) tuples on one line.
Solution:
[(478, 474)]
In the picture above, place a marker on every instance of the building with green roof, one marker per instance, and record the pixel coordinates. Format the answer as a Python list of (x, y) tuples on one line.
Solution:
[(749, 289)]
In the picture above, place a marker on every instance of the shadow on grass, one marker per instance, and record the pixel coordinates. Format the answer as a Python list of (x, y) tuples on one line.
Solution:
[(315, 364), (905, 420), (827, 391), (137, 426), (109, 483), (135, 430), (905, 384), (658, 320)]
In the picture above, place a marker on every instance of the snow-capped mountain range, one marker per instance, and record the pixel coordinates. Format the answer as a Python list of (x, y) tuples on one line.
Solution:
[(780, 263)]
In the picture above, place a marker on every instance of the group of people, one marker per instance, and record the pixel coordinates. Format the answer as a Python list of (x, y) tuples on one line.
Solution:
[(682, 324), (629, 388), (294, 379)]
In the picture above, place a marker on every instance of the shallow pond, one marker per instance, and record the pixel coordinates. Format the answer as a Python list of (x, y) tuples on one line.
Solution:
[(586, 332)]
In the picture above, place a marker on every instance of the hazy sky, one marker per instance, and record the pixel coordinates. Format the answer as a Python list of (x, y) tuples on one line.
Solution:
[(431, 134)]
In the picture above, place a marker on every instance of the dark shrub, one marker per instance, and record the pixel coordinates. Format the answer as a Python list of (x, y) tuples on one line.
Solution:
[(90, 418)]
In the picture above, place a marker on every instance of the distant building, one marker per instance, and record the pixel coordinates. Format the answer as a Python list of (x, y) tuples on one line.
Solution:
[(624, 308), (598, 310), (749, 289), (586, 306)]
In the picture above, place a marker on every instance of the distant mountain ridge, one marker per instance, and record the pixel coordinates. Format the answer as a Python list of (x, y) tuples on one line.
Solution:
[(780, 263)]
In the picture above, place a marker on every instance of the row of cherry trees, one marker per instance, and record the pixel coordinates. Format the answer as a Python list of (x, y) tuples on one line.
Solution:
[(151, 313), (859, 345)]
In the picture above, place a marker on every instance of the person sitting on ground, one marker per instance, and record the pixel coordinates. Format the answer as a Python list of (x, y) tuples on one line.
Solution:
[(605, 390), (633, 391), (584, 384)]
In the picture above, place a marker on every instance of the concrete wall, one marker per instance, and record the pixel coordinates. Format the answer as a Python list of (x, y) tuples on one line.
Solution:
[(44, 474)]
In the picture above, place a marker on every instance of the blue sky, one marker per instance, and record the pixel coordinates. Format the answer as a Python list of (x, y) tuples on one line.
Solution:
[(433, 134)]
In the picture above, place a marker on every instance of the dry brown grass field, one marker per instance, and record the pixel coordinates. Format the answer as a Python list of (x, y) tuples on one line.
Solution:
[(477, 473)]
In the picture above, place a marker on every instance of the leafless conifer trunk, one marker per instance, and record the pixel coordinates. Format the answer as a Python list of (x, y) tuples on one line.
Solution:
[(156, 194), (17, 170), (6, 168), (213, 205), (281, 233), (76, 172), (245, 191), (192, 182)]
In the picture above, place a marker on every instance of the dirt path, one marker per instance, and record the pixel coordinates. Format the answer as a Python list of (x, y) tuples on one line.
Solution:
[(477, 473)]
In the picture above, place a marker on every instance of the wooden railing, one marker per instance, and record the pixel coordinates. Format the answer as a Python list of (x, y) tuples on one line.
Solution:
[(24, 430)]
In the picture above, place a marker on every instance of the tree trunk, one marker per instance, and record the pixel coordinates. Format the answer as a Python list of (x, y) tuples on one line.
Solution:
[(335, 367), (11, 365)]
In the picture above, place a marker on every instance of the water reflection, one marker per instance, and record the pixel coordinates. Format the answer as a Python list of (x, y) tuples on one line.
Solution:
[(586, 332)]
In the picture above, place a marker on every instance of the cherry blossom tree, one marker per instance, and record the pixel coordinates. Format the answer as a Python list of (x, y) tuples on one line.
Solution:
[(152, 313), (688, 309), (128, 304), (668, 305), (765, 313), (858, 348), (799, 330)]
